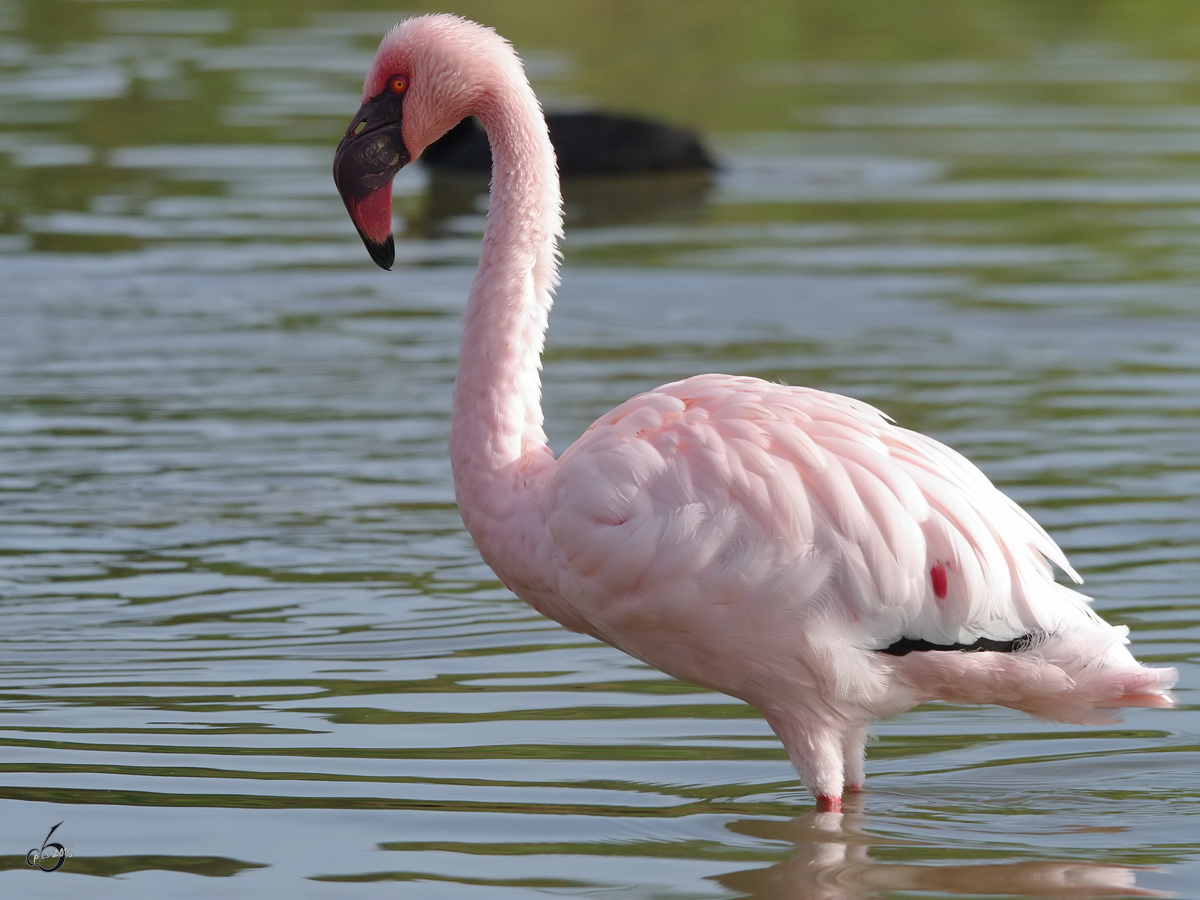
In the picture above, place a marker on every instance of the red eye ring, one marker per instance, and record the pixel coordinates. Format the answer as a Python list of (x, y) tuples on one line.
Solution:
[(398, 84)]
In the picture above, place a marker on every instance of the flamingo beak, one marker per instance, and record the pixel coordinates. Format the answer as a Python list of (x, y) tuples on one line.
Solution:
[(366, 161)]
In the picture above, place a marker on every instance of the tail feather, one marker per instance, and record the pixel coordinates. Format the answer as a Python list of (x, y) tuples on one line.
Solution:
[(1144, 687), (1077, 678)]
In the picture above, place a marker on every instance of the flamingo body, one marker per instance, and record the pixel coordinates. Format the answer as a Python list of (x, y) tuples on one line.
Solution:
[(789, 547)]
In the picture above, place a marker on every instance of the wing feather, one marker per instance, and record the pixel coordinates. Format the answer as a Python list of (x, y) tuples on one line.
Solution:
[(762, 495)]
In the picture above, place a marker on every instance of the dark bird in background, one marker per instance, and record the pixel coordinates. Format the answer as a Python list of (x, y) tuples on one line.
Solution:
[(587, 143)]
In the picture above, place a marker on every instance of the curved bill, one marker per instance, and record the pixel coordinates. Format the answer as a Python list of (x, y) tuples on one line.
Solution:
[(366, 161)]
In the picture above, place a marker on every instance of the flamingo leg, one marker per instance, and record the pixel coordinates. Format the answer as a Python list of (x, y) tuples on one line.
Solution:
[(815, 749), (855, 754), (829, 804)]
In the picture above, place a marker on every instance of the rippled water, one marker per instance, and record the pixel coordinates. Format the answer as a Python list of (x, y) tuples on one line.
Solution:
[(248, 648)]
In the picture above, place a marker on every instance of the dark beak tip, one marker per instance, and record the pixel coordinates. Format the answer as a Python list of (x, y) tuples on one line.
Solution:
[(383, 253)]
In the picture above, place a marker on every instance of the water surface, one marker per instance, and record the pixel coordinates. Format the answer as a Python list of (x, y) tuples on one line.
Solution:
[(248, 647)]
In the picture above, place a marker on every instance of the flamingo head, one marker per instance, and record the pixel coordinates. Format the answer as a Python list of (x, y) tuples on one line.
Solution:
[(425, 79)]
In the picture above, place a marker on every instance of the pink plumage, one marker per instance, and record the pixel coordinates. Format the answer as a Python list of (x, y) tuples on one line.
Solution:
[(792, 548)]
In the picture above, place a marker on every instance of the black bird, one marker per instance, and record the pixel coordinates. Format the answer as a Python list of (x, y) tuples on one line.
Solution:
[(585, 143)]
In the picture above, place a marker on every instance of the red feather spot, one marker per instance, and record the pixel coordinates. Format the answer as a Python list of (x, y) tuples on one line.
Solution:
[(938, 576)]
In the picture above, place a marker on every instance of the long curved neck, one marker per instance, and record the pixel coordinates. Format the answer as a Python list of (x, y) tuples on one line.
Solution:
[(496, 426)]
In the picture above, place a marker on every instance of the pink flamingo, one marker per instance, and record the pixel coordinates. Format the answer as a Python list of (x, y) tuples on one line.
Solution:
[(789, 547)]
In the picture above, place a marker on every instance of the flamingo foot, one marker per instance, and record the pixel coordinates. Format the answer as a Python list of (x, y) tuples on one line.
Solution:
[(829, 804)]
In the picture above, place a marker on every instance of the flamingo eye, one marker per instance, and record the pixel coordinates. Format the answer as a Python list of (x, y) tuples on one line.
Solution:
[(398, 85)]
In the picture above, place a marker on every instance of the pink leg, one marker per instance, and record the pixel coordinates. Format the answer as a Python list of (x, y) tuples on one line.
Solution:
[(854, 749), (829, 804), (815, 749)]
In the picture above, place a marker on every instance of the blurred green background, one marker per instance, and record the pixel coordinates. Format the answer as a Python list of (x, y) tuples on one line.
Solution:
[(83, 78)]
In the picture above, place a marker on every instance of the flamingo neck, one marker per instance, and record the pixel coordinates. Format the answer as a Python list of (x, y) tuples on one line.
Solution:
[(496, 430)]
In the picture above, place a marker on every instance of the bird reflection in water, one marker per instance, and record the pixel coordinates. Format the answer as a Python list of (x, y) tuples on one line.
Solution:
[(833, 862)]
